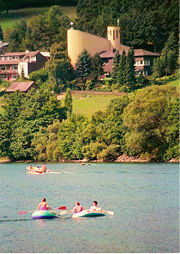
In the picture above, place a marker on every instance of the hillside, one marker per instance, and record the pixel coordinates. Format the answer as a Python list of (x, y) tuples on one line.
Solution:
[(8, 20)]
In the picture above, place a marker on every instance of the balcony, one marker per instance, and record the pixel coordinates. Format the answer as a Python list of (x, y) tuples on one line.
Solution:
[(10, 71)]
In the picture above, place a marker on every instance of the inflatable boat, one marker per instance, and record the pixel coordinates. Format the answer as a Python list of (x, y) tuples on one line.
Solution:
[(36, 170), (87, 213), (44, 214)]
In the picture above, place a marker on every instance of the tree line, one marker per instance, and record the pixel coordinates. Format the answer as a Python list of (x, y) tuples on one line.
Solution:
[(19, 4), (145, 124)]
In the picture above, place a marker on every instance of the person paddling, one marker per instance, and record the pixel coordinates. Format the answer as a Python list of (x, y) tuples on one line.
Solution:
[(78, 208), (43, 205), (44, 168), (95, 208)]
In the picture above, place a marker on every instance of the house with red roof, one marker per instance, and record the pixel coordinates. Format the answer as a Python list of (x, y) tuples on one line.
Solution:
[(24, 86), (143, 61), (16, 64)]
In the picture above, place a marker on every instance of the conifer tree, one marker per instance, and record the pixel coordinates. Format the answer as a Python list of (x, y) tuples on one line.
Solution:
[(167, 62), (115, 67), (97, 69), (83, 67), (68, 101), (121, 74), (1, 34), (130, 77)]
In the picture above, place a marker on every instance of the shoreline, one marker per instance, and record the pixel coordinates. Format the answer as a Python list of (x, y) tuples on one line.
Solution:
[(119, 160)]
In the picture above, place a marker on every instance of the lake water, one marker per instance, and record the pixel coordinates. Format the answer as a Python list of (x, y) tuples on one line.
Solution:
[(144, 198)]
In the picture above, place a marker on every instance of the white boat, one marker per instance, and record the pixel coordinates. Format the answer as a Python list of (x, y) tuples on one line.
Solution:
[(88, 213)]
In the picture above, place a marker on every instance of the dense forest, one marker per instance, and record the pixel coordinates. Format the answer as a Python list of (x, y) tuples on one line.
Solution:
[(143, 123), (143, 23)]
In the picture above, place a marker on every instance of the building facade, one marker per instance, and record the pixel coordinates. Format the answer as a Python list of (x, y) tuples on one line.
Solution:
[(16, 64)]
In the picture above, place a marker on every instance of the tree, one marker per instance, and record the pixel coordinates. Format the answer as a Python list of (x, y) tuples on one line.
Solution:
[(39, 77), (115, 66), (17, 37), (24, 116), (158, 67), (121, 73), (147, 122), (97, 69), (1, 34), (68, 101), (59, 68), (167, 63), (83, 67), (130, 77)]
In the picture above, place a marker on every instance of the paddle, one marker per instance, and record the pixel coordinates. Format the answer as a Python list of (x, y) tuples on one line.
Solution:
[(21, 212), (61, 207)]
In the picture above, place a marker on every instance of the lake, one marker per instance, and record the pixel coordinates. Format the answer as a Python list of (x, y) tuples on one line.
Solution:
[(144, 198)]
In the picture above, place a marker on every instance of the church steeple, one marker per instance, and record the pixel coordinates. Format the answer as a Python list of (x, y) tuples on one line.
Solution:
[(113, 35)]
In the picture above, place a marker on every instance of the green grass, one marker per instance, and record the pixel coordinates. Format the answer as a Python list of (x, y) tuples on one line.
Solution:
[(89, 105), (174, 83), (8, 20)]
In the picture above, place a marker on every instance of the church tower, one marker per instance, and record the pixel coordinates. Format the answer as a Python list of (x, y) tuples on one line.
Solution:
[(113, 35)]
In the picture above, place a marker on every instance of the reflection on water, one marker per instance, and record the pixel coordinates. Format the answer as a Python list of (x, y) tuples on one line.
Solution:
[(144, 198)]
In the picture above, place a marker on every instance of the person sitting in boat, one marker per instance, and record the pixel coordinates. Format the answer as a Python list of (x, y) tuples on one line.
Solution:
[(44, 168), (78, 208), (94, 207), (43, 205)]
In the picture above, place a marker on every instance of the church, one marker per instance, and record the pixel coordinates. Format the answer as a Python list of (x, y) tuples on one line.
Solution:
[(77, 41)]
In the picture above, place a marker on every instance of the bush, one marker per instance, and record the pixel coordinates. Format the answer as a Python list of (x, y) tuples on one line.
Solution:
[(109, 154)]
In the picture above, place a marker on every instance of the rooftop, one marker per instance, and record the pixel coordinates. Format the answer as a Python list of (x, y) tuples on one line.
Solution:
[(137, 52), (20, 86)]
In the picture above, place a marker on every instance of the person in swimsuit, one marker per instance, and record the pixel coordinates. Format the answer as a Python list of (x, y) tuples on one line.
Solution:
[(44, 168), (94, 207), (78, 208), (43, 205)]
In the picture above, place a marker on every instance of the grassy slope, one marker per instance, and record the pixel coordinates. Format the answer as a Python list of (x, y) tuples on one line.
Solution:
[(7, 21), (89, 105), (174, 83)]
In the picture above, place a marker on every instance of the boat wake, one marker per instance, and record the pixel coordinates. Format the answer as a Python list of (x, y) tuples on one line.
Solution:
[(63, 172), (50, 172), (8, 220)]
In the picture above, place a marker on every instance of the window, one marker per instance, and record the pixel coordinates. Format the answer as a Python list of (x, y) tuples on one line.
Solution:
[(113, 35), (2, 77), (138, 63), (14, 67), (14, 77), (116, 34), (146, 62)]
